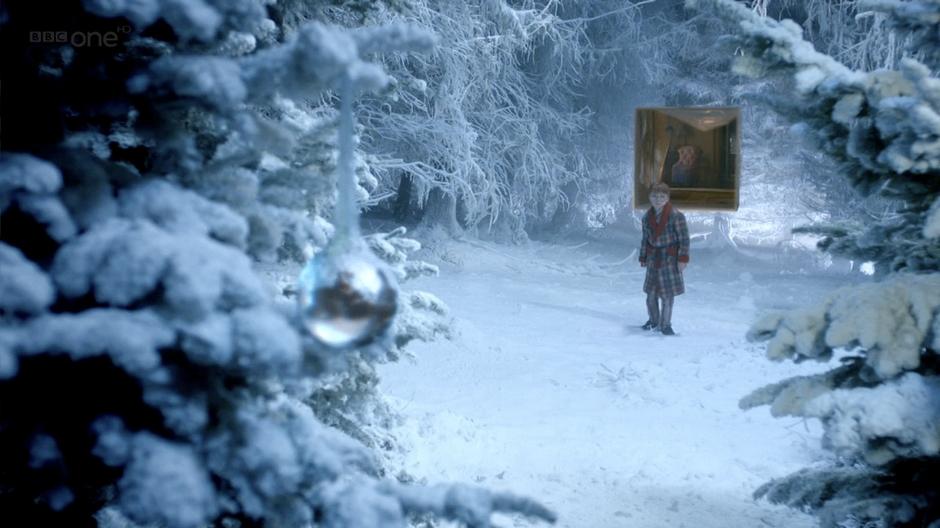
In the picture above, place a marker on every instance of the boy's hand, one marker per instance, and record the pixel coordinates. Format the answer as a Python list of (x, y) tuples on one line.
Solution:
[(682, 266)]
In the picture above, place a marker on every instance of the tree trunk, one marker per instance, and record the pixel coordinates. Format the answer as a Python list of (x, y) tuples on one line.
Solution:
[(441, 210), (403, 210)]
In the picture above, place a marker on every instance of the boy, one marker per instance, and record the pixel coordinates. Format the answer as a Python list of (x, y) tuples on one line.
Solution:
[(664, 252)]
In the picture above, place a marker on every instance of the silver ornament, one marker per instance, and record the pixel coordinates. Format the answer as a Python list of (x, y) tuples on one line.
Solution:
[(347, 298)]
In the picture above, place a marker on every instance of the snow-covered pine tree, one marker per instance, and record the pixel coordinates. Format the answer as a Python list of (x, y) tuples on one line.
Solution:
[(881, 407), (150, 150)]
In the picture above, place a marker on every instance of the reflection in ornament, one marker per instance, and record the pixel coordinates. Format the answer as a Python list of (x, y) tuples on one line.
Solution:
[(346, 299), (347, 296)]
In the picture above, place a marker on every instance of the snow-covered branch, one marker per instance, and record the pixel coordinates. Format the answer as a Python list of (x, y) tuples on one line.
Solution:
[(896, 321)]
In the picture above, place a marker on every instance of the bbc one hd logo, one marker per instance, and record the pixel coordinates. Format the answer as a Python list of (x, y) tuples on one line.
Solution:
[(80, 39)]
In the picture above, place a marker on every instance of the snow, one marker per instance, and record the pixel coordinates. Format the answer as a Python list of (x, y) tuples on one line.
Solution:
[(209, 340), (326, 451), (182, 211), (932, 225), (191, 19), (166, 481), (270, 458), (215, 80), (897, 418), (397, 36), (262, 339), (130, 339), (43, 451), (470, 504), (27, 173), (545, 387), (282, 454), (355, 503), (140, 12), (93, 201), (187, 416), (421, 315), (122, 261), (847, 108), (113, 446), (549, 388), (29, 181), (809, 78), (51, 213), (24, 288), (9, 364), (891, 319)]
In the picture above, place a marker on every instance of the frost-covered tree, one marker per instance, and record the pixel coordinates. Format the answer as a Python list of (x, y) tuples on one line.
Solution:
[(850, 32), (474, 126), (146, 369), (880, 408), (519, 150)]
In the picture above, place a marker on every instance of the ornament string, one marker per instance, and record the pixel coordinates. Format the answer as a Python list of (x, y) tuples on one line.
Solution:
[(347, 211)]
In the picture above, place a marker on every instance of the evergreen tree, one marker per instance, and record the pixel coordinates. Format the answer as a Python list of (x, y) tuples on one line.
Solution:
[(881, 407), (154, 152)]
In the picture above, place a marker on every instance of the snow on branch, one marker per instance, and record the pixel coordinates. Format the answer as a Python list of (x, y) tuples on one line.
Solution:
[(894, 419), (894, 321), (30, 184), (788, 397), (421, 315), (180, 211), (22, 172), (470, 505), (120, 262), (24, 287), (393, 37), (166, 482), (393, 248), (883, 403), (920, 18), (313, 59), (898, 418), (131, 339), (890, 118), (867, 497), (932, 225), (198, 20)]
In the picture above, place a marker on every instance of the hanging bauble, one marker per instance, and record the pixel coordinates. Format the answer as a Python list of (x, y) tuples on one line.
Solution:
[(347, 297)]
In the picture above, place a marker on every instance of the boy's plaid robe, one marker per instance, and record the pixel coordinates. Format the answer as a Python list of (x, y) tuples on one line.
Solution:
[(665, 244)]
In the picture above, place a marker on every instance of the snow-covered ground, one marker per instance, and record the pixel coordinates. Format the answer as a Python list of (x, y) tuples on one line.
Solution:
[(551, 389)]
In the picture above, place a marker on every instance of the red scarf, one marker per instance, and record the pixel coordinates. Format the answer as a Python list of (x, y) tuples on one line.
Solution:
[(658, 227)]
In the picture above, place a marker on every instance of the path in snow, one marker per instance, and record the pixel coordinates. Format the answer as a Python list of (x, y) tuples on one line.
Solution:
[(551, 390)]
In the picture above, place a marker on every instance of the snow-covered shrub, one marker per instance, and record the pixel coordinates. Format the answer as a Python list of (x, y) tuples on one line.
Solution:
[(881, 408), (144, 367)]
